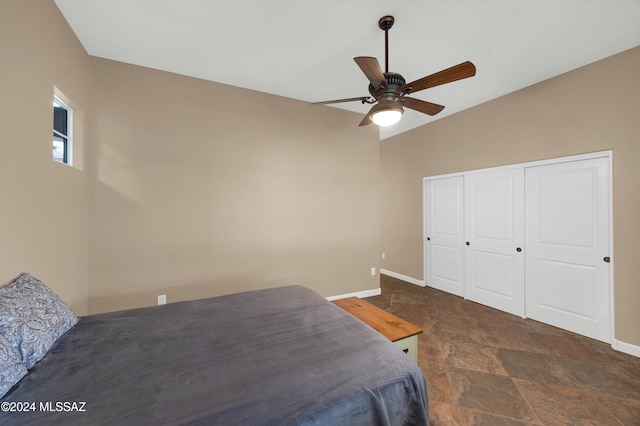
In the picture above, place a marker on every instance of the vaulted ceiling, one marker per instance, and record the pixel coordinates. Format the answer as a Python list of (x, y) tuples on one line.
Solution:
[(304, 49)]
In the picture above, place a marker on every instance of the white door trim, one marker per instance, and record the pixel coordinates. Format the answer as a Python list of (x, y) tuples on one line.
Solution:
[(577, 157)]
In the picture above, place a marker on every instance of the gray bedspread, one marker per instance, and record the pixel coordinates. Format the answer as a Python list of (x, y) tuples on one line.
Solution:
[(282, 356)]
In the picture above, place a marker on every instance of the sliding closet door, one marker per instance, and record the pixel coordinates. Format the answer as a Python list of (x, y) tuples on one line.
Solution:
[(567, 233), (444, 234), (494, 239)]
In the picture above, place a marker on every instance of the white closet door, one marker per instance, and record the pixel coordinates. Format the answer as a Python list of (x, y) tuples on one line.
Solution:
[(494, 238), (567, 234), (444, 234)]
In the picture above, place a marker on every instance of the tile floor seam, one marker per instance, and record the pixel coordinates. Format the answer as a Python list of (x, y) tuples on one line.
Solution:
[(515, 384), (533, 410), (455, 404)]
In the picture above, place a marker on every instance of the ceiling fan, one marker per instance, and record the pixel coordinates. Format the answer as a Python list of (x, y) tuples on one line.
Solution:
[(389, 90)]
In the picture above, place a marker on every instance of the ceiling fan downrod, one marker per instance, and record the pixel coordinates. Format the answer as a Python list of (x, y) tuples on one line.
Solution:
[(385, 23)]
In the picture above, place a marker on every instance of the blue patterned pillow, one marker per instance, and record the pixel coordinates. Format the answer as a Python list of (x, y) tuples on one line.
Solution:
[(32, 317), (12, 368)]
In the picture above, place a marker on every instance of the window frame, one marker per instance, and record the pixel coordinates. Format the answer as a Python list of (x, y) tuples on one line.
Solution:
[(68, 155)]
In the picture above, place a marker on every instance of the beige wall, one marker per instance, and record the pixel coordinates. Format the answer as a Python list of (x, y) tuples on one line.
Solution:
[(43, 204), (594, 108), (182, 187), (201, 189)]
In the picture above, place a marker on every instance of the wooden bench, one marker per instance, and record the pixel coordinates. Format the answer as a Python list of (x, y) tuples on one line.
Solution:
[(400, 332)]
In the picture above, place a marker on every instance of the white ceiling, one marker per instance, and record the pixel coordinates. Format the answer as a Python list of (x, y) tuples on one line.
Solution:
[(304, 49)]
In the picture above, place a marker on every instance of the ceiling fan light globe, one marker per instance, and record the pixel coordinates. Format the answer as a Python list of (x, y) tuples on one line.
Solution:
[(386, 118), (387, 114)]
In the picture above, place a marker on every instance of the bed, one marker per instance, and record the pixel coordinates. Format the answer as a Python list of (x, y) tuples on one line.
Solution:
[(281, 356)]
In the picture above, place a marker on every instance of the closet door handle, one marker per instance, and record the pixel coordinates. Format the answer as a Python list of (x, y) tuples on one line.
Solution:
[(607, 259), (468, 243), (518, 249)]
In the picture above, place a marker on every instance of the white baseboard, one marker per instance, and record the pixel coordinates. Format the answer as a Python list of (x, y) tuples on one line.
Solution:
[(627, 348), (360, 294), (402, 277)]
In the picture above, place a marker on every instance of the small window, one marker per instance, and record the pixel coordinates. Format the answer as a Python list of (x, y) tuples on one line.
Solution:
[(62, 125)]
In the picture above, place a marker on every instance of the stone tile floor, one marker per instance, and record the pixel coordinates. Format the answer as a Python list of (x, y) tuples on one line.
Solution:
[(487, 367)]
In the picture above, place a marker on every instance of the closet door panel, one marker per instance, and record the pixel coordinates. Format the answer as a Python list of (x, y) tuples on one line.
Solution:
[(444, 234), (494, 237), (567, 236)]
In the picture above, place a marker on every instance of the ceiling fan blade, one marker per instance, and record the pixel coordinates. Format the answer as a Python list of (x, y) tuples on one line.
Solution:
[(371, 68), (457, 72), (362, 99), (422, 106), (367, 118)]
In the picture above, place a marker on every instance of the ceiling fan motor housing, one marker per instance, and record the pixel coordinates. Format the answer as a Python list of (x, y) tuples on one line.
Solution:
[(394, 83)]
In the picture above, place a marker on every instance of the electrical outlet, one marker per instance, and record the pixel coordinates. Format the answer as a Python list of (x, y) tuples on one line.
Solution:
[(162, 299), (373, 271), (384, 255)]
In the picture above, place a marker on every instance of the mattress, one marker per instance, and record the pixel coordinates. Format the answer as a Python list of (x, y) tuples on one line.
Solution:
[(281, 356)]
